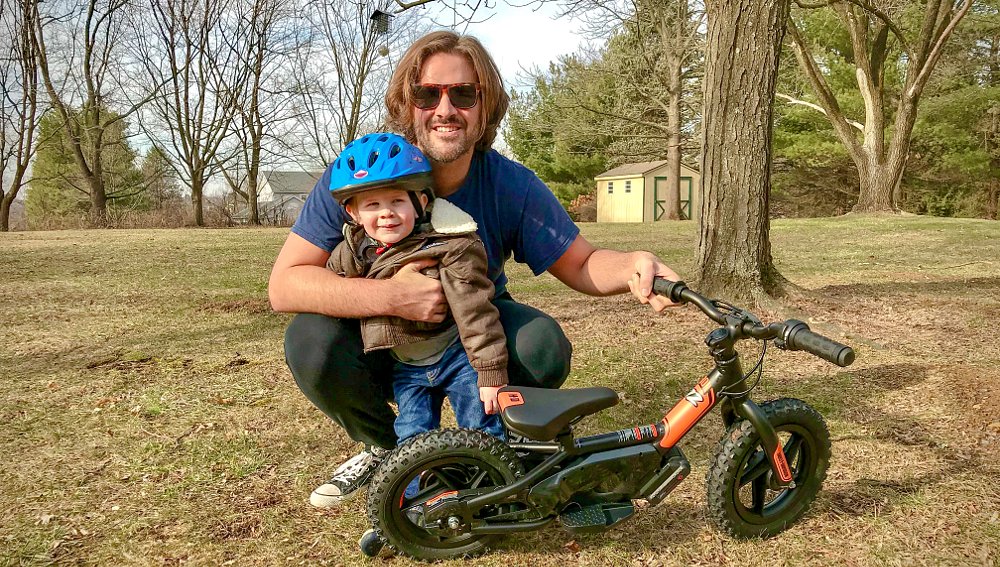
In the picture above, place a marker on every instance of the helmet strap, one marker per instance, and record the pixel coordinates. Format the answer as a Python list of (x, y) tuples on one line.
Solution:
[(415, 198)]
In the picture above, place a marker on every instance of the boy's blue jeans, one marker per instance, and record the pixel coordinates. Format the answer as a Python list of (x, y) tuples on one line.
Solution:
[(420, 391)]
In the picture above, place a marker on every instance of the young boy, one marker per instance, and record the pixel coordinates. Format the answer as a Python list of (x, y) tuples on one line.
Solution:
[(384, 183)]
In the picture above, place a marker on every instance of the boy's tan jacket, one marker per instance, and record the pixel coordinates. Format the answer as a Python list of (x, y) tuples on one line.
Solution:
[(450, 238)]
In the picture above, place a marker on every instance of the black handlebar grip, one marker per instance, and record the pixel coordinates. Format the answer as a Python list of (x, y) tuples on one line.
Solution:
[(799, 337), (670, 290)]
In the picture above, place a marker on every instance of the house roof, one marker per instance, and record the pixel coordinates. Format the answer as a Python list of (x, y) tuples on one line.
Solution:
[(292, 182), (641, 168)]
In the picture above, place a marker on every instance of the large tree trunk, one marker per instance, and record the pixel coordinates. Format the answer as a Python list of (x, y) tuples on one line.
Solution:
[(98, 203), (7, 199), (879, 183), (5, 204), (734, 250), (673, 203), (674, 32), (196, 201)]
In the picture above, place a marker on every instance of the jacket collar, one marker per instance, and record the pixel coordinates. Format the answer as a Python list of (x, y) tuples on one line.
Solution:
[(446, 218)]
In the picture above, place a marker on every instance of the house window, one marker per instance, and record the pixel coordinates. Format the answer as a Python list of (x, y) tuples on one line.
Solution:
[(611, 187), (628, 186)]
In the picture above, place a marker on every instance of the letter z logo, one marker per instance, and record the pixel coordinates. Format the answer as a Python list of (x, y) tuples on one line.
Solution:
[(694, 397)]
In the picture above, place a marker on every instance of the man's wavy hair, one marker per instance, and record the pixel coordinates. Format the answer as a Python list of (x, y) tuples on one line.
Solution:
[(493, 97)]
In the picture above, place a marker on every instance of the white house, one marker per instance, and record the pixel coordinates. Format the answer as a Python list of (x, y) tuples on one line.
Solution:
[(281, 194)]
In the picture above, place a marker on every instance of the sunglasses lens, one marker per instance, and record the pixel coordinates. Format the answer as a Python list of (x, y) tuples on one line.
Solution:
[(462, 96), (426, 96)]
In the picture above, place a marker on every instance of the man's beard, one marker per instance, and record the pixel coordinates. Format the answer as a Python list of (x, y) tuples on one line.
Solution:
[(444, 152)]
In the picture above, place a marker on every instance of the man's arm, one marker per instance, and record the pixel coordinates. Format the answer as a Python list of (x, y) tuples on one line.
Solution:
[(301, 283), (598, 271)]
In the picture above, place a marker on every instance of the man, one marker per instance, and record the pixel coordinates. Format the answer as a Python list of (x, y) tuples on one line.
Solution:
[(447, 97)]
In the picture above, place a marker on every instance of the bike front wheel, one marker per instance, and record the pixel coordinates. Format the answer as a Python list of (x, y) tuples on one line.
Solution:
[(743, 496), (431, 465)]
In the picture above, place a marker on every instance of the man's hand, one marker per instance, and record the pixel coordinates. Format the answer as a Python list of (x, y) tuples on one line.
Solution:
[(418, 297), (647, 267), (488, 395)]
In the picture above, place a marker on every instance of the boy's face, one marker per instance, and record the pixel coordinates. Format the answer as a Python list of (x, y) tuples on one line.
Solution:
[(387, 215)]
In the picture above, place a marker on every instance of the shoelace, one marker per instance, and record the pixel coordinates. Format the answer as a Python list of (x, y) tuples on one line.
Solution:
[(354, 468)]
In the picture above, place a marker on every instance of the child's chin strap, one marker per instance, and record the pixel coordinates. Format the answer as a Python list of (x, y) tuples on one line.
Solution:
[(415, 198)]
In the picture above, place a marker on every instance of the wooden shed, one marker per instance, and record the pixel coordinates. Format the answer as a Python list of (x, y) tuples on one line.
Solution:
[(636, 192)]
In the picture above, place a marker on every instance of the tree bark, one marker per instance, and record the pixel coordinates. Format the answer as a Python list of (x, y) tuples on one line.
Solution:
[(673, 203), (734, 250), (196, 200)]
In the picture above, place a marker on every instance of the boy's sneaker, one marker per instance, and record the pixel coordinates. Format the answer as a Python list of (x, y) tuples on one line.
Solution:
[(349, 478)]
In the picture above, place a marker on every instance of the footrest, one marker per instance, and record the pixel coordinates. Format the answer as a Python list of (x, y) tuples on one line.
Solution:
[(596, 517)]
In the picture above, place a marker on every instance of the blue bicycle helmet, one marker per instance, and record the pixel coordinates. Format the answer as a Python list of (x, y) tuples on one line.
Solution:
[(377, 161)]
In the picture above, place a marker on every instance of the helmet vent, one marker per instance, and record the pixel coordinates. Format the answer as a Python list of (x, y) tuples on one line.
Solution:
[(350, 162), (372, 158), (394, 151), (383, 138)]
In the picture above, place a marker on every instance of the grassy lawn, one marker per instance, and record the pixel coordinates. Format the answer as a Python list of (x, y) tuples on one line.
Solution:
[(148, 417)]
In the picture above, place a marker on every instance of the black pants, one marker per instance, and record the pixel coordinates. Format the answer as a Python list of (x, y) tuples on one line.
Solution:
[(326, 358)]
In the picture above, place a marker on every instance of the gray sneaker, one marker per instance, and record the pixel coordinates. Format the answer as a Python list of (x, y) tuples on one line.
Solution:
[(349, 478)]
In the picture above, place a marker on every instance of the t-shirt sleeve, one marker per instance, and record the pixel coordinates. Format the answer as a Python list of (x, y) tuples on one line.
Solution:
[(321, 220), (545, 229)]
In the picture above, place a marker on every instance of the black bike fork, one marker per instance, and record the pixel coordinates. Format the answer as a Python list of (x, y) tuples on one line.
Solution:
[(728, 375)]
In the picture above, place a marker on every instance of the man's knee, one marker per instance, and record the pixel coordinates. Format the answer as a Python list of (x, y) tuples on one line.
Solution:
[(539, 351), (319, 348)]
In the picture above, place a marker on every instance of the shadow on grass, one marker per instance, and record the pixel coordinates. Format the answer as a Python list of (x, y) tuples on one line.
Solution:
[(852, 395), (943, 289), (671, 524), (870, 496)]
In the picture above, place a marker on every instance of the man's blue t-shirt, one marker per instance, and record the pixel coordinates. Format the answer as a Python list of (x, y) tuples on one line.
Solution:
[(515, 211)]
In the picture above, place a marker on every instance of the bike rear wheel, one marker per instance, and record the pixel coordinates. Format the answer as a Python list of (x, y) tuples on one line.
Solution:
[(743, 497), (443, 461)]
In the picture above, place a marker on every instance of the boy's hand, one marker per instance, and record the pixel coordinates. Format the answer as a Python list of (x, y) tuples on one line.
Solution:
[(488, 394)]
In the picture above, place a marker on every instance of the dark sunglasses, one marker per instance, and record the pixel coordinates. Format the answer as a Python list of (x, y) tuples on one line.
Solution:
[(461, 95)]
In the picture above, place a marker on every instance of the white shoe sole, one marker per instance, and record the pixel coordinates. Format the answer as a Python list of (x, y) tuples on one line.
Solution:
[(320, 500)]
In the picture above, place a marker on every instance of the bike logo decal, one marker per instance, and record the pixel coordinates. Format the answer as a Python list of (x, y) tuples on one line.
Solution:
[(637, 433), (695, 397), (448, 494), (687, 412)]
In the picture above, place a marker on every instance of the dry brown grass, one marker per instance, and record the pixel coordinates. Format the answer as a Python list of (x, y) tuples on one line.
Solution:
[(148, 417)]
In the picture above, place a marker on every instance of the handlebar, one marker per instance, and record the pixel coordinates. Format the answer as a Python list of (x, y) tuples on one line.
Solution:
[(792, 334)]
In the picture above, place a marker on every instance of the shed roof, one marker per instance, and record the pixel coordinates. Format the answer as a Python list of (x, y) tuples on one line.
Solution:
[(633, 168), (292, 182), (641, 168)]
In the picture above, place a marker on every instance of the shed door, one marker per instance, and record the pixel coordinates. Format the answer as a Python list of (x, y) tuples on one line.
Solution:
[(659, 197), (686, 187)]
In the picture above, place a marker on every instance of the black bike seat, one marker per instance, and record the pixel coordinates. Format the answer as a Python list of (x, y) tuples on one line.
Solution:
[(541, 413)]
